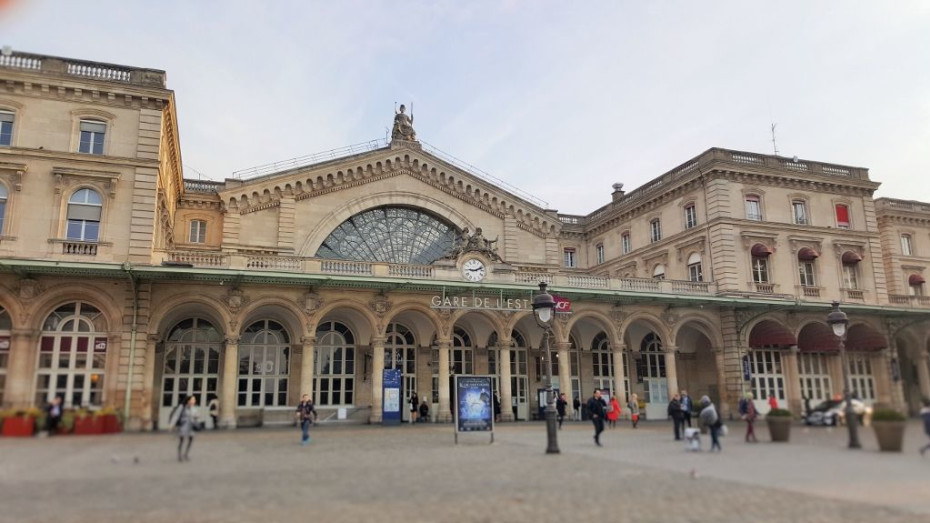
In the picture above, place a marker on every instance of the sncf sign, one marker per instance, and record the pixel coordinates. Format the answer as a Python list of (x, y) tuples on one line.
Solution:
[(562, 304)]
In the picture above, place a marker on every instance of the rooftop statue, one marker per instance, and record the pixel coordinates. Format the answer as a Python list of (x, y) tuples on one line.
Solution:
[(474, 243), (403, 126)]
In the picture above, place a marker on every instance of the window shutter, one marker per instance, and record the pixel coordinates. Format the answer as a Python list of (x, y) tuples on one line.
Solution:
[(842, 215)]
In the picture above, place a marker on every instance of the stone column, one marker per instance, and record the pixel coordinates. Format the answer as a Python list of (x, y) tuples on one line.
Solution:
[(444, 415), (793, 379), (565, 375), (306, 365), (881, 375), (506, 392), (377, 378), (21, 368), (724, 400), (619, 375), (835, 368), (671, 370), (229, 378), (923, 373)]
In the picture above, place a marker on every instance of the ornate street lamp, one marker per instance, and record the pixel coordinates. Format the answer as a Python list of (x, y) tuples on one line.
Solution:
[(838, 320), (543, 307)]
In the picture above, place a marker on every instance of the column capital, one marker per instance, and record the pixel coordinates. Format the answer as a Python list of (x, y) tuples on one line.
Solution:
[(232, 340), (620, 347), (444, 344), (671, 349), (504, 343), (563, 346), (378, 341), (24, 333), (794, 350), (308, 341)]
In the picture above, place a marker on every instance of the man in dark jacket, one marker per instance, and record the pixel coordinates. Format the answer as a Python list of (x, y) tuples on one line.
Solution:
[(560, 405), (675, 412), (597, 411), (687, 408)]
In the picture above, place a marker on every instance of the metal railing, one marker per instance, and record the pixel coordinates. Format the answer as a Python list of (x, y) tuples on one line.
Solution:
[(310, 159)]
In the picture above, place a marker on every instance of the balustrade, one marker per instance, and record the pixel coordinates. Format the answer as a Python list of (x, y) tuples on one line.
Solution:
[(411, 271), (200, 258), (79, 248), (273, 262), (346, 267)]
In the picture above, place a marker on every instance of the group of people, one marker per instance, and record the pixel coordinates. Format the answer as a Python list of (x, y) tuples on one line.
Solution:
[(419, 410)]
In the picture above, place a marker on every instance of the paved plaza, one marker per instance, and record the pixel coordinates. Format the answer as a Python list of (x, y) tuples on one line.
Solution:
[(416, 473)]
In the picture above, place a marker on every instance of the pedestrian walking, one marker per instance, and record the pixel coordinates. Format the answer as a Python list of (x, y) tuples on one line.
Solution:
[(674, 412), (748, 413), (576, 404), (306, 414), (414, 405), (711, 420), (925, 415), (53, 415), (186, 420), (596, 410), (214, 408), (634, 410), (773, 402), (613, 412), (560, 405), (686, 408), (497, 407)]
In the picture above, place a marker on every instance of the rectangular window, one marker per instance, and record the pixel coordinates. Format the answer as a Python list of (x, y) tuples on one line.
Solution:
[(198, 231), (753, 208), (695, 273), (906, 248), (760, 270), (6, 128), (690, 217), (600, 253), (568, 257), (92, 134), (625, 242), (800, 212), (850, 276), (655, 230), (807, 274), (842, 216)]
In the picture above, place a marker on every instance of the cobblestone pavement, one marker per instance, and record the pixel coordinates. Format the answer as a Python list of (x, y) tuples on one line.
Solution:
[(415, 473)]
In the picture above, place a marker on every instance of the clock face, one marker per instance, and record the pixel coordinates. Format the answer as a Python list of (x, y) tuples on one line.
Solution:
[(473, 270)]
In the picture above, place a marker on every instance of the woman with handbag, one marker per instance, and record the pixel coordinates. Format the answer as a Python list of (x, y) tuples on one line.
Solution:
[(186, 422)]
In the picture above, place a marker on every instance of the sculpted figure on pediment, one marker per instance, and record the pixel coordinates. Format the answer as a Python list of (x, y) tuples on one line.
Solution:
[(403, 126)]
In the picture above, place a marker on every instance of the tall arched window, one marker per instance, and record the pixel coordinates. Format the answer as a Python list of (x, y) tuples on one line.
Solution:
[(462, 352), (658, 272), (264, 365), (602, 359), (84, 210), (72, 356), (192, 365), (3, 197), (5, 327), (335, 364), (654, 362), (400, 352)]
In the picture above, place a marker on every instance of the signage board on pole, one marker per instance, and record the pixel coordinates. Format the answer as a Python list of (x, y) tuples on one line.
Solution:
[(390, 397), (747, 370), (474, 405)]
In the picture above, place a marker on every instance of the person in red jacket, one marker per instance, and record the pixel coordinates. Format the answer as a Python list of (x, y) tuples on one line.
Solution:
[(613, 413), (773, 402)]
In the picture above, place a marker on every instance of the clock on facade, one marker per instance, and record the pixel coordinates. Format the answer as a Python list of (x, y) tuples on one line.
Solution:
[(473, 269)]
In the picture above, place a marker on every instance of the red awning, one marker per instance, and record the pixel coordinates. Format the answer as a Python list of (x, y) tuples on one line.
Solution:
[(915, 279), (767, 333), (818, 337), (851, 257), (761, 250), (808, 254), (865, 338)]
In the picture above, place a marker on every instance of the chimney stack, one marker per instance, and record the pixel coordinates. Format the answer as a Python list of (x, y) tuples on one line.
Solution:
[(618, 192)]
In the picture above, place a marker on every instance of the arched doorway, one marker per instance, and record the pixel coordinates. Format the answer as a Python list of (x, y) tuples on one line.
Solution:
[(264, 365), (72, 356), (697, 366), (818, 355), (191, 365), (400, 352), (519, 373), (768, 344), (334, 362)]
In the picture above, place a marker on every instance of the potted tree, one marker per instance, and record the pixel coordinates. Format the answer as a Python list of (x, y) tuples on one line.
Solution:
[(779, 422), (889, 426)]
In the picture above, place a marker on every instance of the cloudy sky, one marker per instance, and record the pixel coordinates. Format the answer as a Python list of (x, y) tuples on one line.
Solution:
[(561, 99)]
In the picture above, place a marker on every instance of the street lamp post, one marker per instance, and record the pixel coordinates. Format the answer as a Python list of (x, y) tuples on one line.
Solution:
[(543, 307), (838, 320)]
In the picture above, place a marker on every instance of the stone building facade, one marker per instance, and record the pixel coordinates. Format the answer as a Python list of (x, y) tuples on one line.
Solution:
[(123, 284)]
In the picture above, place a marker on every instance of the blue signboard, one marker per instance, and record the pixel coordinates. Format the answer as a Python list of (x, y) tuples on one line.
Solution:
[(747, 371), (474, 404), (390, 397)]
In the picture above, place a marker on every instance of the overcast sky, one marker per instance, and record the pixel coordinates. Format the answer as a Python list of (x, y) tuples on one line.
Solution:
[(561, 99)]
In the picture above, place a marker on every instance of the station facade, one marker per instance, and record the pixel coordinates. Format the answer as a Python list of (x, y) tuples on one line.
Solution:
[(124, 284)]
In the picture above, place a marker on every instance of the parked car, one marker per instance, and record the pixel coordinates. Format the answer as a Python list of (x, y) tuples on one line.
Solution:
[(833, 412)]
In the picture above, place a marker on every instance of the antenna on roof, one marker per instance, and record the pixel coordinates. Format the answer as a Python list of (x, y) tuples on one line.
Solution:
[(774, 144)]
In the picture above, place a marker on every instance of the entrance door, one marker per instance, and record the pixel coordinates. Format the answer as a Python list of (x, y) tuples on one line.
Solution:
[(519, 384), (191, 367), (815, 378), (400, 353), (654, 378), (768, 378)]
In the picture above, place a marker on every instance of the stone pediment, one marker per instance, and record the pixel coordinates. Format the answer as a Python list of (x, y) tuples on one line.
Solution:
[(356, 171)]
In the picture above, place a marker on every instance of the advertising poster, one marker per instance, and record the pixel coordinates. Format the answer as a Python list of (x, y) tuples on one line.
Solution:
[(474, 410), (390, 397)]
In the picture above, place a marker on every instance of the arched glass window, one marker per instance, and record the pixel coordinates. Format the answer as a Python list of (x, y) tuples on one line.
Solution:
[(5, 327), (400, 352), (390, 234), (191, 366), (658, 272), (462, 352), (695, 270), (72, 356), (3, 197), (602, 359), (264, 365), (335, 364), (653, 356), (84, 210)]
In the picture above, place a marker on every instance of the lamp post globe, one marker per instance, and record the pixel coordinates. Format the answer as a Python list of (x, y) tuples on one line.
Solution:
[(543, 307), (838, 320)]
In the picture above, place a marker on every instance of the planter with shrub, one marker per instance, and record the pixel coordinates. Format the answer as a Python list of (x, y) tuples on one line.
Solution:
[(889, 428), (779, 422)]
